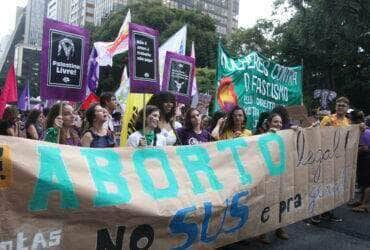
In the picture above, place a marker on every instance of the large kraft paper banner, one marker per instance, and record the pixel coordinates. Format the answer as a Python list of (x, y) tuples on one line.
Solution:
[(200, 196)]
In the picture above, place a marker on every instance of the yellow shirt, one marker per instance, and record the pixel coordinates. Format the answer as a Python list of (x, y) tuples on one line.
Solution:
[(333, 120), (230, 134)]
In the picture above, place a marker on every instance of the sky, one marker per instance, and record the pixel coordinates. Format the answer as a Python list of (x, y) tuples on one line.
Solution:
[(249, 12)]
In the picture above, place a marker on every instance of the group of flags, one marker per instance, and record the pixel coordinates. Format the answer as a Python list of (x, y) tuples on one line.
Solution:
[(102, 54)]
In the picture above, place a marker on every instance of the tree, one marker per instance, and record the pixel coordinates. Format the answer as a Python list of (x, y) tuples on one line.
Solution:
[(333, 39), (201, 30)]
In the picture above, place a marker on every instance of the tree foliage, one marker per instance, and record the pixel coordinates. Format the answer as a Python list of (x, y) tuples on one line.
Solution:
[(333, 39)]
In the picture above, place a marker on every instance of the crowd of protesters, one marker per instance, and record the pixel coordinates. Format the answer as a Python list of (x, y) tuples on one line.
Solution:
[(161, 125)]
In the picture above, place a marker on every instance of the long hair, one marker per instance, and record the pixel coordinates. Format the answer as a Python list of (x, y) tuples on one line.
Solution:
[(270, 117), (90, 114), (283, 112), (10, 114), (32, 117), (229, 125), (161, 98), (187, 124), (139, 120), (53, 113)]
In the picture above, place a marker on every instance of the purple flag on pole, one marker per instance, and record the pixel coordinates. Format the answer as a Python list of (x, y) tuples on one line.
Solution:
[(178, 76), (143, 59), (63, 61), (93, 71), (24, 99)]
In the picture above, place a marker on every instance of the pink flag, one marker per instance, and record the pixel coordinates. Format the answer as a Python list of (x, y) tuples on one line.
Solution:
[(9, 92)]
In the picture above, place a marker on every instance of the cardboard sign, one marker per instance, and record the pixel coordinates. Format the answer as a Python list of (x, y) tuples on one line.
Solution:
[(198, 197), (63, 60), (143, 55), (178, 76)]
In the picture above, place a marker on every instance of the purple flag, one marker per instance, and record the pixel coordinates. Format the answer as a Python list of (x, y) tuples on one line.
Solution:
[(63, 61), (143, 59), (93, 71), (24, 99)]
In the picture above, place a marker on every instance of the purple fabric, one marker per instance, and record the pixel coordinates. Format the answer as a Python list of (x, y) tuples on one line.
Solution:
[(141, 85), (48, 91), (24, 99), (93, 71), (189, 137), (174, 57), (365, 138)]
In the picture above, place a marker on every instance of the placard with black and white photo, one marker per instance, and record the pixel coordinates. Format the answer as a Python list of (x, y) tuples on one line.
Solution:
[(178, 76)]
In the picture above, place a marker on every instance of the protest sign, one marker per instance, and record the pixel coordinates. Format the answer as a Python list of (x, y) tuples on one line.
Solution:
[(178, 76), (255, 83), (200, 196), (63, 59), (143, 59)]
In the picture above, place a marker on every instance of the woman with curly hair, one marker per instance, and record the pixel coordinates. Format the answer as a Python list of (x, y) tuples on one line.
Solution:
[(166, 103)]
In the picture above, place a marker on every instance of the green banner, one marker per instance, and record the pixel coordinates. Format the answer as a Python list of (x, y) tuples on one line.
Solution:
[(255, 83)]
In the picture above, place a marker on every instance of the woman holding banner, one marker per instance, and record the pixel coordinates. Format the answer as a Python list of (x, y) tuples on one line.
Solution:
[(166, 102), (192, 133), (59, 125), (148, 135), (97, 136), (234, 125), (275, 123)]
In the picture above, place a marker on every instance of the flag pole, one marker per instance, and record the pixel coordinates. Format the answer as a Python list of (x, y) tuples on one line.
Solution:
[(60, 114), (302, 81), (144, 113)]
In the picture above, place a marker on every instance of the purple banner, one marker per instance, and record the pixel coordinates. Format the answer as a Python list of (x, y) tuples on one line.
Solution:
[(63, 61), (143, 55), (178, 76)]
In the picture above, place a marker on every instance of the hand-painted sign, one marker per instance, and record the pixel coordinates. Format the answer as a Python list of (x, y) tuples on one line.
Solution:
[(143, 55), (178, 76), (63, 61), (201, 196)]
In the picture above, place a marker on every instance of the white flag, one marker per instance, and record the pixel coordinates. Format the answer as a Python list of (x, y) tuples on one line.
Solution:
[(177, 44), (123, 90), (106, 50), (194, 87)]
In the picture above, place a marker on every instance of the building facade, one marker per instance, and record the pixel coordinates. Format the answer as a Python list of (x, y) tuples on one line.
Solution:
[(225, 13), (82, 12), (59, 10), (105, 7), (35, 13)]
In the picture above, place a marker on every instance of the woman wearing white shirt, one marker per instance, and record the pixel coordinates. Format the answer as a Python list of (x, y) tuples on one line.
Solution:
[(166, 102), (152, 135)]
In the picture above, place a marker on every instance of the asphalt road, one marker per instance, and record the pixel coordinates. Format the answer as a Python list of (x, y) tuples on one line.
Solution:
[(352, 233)]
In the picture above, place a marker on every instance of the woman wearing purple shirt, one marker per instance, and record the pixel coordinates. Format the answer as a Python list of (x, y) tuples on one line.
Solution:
[(192, 133)]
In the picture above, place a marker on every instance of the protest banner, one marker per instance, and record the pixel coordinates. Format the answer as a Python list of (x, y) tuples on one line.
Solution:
[(64, 56), (199, 196), (255, 83), (143, 59), (178, 76)]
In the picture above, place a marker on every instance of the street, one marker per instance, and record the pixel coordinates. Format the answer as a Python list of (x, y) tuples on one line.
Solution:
[(352, 233)]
